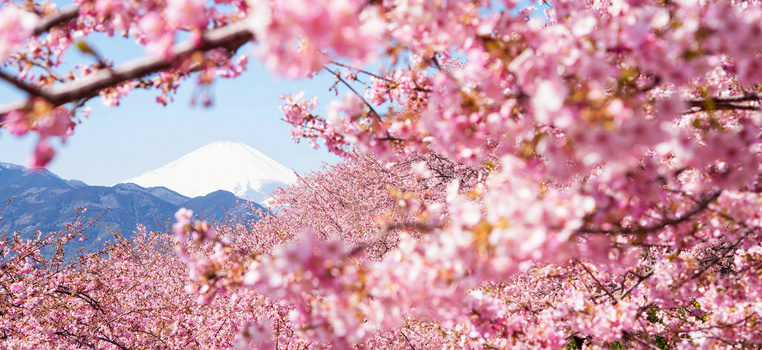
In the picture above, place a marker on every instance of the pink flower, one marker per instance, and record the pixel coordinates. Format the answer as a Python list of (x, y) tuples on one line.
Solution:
[(183, 217), (259, 332), (16, 26), (16, 123), (158, 35), (108, 6), (43, 154), (187, 13), (548, 99), (17, 287), (56, 123)]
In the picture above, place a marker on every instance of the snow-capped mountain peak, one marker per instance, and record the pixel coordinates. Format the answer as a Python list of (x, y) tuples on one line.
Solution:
[(225, 165)]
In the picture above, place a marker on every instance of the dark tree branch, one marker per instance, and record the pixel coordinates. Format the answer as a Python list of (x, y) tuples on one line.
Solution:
[(30, 89), (417, 88), (75, 338), (88, 299), (46, 23), (701, 102), (641, 341), (614, 300), (700, 206), (722, 255), (407, 340), (640, 278), (230, 37), (120, 346), (735, 102), (724, 106), (47, 68)]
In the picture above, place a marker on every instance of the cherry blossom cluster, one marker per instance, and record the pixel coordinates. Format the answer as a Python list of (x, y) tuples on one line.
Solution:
[(569, 174), (130, 295)]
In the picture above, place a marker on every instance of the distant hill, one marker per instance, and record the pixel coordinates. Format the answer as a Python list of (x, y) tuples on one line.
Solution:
[(45, 202)]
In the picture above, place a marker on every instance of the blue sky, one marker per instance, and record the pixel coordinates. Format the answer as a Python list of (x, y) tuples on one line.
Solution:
[(118, 143)]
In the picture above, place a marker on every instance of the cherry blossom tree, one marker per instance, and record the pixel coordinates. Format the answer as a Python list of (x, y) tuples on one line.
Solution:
[(359, 201), (130, 295), (599, 179), (136, 293)]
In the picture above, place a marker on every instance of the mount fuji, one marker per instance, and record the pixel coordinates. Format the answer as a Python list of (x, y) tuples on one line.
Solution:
[(229, 166)]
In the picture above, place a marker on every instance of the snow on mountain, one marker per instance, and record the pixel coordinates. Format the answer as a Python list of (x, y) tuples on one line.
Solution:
[(230, 166)]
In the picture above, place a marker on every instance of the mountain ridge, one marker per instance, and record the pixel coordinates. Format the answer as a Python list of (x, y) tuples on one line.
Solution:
[(224, 165), (42, 201)]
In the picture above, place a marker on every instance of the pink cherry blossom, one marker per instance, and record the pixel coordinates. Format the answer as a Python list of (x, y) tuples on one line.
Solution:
[(562, 174), (43, 154)]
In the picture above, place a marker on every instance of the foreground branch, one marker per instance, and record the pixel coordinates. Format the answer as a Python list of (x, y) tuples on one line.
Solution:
[(749, 96), (230, 37), (30, 89), (735, 102), (48, 22)]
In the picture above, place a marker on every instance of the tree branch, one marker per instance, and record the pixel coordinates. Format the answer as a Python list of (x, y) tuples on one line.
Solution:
[(229, 37), (88, 299), (700, 206), (735, 102), (120, 346), (407, 340), (75, 338), (614, 300), (749, 96), (641, 341), (640, 278), (30, 89), (338, 76), (719, 257), (46, 23)]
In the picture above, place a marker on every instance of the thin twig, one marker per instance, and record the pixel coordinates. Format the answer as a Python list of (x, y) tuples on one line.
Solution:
[(47, 68), (645, 343), (721, 256), (407, 340), (338, 76), (362, 71), (611, 295), (120, 346), (638, 282)]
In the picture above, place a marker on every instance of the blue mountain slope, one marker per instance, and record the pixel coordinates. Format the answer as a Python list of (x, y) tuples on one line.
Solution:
[(41, 201)]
